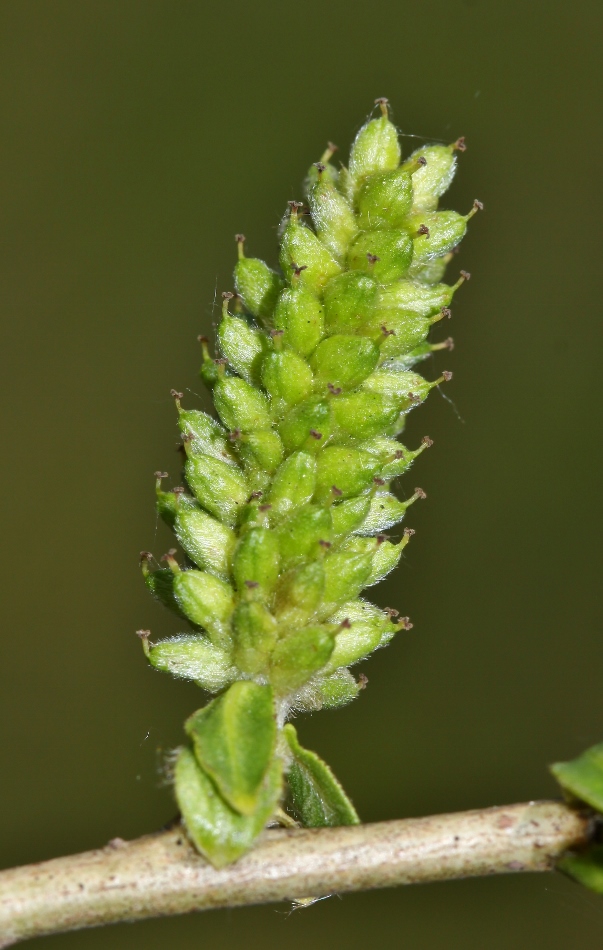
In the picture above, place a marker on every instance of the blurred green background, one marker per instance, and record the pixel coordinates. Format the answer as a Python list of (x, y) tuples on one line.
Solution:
[(137, 137)]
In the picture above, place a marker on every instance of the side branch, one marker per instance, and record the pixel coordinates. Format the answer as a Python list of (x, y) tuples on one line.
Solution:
[(161, 874)]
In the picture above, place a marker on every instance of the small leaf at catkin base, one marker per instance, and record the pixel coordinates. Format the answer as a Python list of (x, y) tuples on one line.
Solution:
[(316, 795)]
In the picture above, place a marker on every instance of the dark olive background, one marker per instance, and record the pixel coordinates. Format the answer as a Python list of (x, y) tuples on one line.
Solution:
[(137, 138)]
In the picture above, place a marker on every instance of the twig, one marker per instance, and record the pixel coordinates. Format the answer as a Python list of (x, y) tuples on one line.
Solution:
[(161, 874)]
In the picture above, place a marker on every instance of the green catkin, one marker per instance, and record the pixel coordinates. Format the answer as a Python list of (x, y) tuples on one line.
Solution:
[(287, 492)]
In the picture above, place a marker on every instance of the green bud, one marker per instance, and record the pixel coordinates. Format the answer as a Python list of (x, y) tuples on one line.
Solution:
[(293, 484), (332, 216), (385, 200), (258, 286), (398, 331), (256, 632), (432, 179), (204, 435), (348, 301), (344, 361), (297, 657), (395, 458), (193, 658), (209, 543), (287, 378), (298, 594), (234, 738), (349, 515), (376, 148), (385, 560), (299, 314), (256, 563), (350, 470), (301, 534), (430, 272), (161, 585), (385, 511), (207, 601), (435, 233), (364, 414), (424, 299), (243, 347), (218, 486), (345, 575), (261, 452), (218, 831), (240, 406), (337, 690), (300, 248), (307, 426), (407, 389), (369, 628), (385, 255)]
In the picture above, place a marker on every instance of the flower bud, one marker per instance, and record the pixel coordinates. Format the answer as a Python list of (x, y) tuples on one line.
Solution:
[(385, 559), (243, 347), (376, 148), (298, 594), (338, 689), (203, 435), (364, 414), (297, 657), (261, 453), (240, 406), (430, 272), (293, 484), (385, 200), (300, 248), (299, 314), (307, 426), (332, 217), (349, 515), (218, 486), (407, 389), (385, 255), (258, 286), (385, 511), (394, 458), (161, 585), (255, 635), (364, 630), (348, 301), (344, 361), (322, 169), (423, 299), (287, 378), (350, 470), (345, 575), (435, 233), (193, 658), (233, 739), (398, 331), (431, 179), (207, 601), (256, 563), (209, 543), (301, 534)]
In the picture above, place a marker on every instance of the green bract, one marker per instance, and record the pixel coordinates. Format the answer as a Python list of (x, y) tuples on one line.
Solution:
[(287, 491)]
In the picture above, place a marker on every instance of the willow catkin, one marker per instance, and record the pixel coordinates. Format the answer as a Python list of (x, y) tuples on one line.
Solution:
[(288, 492)]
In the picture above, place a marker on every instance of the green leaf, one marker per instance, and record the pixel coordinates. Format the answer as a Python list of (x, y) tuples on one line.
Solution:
[(586, 868), (218, 832), (234, 738), (582, 778), (316, 795)]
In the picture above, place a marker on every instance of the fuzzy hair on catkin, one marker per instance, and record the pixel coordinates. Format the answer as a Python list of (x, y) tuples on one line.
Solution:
[(287, 491)]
